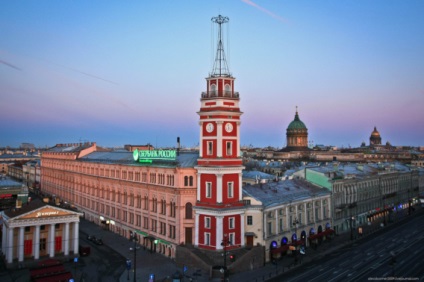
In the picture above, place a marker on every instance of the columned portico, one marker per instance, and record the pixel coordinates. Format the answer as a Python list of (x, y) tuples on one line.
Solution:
[(39, 227)]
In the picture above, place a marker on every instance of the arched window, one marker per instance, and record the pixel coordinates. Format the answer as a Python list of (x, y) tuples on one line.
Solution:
[(213, 90), (227, 89), (185, 180), (191, 181), (188, 211)]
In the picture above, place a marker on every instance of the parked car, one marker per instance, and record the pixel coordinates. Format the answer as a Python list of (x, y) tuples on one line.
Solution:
[(98, 241)]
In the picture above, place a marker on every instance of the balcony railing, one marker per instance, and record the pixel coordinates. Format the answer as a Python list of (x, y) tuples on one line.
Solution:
[(224, 94)]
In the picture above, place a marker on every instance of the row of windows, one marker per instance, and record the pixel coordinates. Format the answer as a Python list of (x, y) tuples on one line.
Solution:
[(230, 190), (153, 178), (228, 148), (207, 238), (231, 223)]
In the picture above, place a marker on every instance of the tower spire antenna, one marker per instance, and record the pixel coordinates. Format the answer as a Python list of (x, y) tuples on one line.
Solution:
[(220, 66)]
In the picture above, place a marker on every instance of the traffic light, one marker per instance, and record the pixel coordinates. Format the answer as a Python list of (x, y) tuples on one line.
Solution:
[(232, 258)]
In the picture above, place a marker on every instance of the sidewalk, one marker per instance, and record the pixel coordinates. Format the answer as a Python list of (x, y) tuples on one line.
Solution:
[(147, 263)]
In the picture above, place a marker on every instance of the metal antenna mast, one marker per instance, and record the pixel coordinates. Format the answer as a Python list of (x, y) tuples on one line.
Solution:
[(220, 67)]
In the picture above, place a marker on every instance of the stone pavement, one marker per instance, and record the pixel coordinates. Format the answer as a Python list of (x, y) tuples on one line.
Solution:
[(147, 263)]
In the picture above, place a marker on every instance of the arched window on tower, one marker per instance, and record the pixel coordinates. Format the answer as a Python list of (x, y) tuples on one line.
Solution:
[(188, 211), (227, 89), (191, 181), (212, 91), (185, 180)]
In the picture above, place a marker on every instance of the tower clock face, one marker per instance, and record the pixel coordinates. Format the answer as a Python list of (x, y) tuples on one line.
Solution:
[(228, 127), (209, 127)]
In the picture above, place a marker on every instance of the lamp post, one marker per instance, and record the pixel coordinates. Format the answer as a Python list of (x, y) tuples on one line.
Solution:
[(225, 242), (352, 218), (295, 223), (133, 237)]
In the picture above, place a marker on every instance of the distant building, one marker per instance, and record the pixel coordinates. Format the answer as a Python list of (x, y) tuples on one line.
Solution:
[(366, 192), (132, 148), (375, 138), (12, 193), (297, 135)]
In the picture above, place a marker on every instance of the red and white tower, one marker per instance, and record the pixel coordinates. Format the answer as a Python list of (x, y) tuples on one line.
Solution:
[(219, 209)]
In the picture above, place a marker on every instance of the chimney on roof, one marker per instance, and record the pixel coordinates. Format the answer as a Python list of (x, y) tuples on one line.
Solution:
[(178, 146)]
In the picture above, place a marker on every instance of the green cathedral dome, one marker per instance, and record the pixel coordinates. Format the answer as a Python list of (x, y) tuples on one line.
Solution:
[(296, 123)]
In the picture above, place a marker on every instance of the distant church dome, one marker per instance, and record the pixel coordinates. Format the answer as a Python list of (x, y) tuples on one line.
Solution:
[(297, 123), (375, 138), (297, 135)]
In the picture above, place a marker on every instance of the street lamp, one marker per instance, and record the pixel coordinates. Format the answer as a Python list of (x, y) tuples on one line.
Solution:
[(352, 218), (225, 242), (133, 237), (295, 223)]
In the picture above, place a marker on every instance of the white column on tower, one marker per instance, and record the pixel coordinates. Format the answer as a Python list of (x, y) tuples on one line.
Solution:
[(242, 229), (219, 188), (219, 232), (198, 186), (240, 188), (201, 140), (196, 228), (238, 140), (219, 139)]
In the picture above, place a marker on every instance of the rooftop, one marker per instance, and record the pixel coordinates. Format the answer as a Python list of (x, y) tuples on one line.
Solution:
[(281, 192), (184, 159)]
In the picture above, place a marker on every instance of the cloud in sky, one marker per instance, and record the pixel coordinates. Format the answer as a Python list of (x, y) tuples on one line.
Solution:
[(9, 65), (251, 3)]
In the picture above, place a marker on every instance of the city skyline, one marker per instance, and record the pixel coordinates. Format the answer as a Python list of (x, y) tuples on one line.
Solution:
[(132, 73)]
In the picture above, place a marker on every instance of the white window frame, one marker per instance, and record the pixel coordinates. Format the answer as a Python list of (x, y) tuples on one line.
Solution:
[(231, 223), (249, 217), (209, 146), (229, 149), (207, 238), (231, 238), (230, 189), (208, 190), (207, 222)]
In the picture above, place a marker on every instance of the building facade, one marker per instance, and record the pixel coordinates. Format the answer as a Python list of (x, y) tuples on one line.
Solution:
[(286, 213), (363, 193), (126, 192)]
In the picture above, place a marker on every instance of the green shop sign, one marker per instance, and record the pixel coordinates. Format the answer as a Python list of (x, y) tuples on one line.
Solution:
[(147, 156)]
